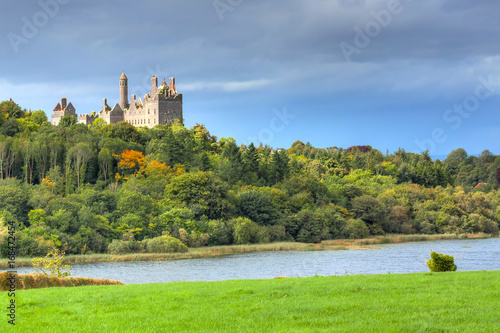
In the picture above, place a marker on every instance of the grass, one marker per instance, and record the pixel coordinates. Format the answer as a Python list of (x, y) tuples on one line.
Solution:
[(422, 302), (217, 251)]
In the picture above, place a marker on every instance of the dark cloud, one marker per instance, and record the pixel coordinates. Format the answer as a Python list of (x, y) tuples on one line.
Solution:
[(262, 52)]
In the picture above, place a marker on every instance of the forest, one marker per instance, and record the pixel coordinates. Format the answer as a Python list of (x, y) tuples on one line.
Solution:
[(121, 189)]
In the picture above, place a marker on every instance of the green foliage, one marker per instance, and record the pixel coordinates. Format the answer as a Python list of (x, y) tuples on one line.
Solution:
[(245, 231), (165, 244), (67, 120), (356, 229), (52, 264), (62, 184), (441, 263), (125, 247)]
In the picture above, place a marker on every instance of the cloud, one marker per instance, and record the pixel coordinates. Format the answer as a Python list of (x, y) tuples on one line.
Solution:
[(233, 86)]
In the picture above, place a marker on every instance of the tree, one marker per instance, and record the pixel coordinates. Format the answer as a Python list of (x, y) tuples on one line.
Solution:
[(454, 159), (258, 207), (38, 117), (29, 150), (279, 166), (370, 210), (52, 264), (441, 263), (202, 192), (251, 159), (67, 120), (130, 161), (125, 131), (105, 162), (497, 179), (356, 229), (14, 199), (10, 110), (78, 158)]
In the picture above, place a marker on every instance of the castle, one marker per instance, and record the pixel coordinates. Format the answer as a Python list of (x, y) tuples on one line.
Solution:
[(160, 106), (62, 109)]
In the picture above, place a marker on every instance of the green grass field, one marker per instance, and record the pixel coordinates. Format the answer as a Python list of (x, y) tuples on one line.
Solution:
[(425, 302)]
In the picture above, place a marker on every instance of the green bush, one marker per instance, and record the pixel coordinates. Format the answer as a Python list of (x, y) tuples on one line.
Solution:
[(125, 247), (247, 231), (356, 229), (441, 263), (165, 244)]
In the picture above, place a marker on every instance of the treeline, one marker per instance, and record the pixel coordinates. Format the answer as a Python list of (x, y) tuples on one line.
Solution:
[(117, 188)]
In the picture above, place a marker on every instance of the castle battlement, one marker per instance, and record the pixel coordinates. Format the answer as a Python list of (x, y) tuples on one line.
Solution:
[(161, 106)]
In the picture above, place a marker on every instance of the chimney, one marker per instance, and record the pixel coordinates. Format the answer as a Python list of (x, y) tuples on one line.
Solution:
[(104, 104), (154, 83), (64, 103)]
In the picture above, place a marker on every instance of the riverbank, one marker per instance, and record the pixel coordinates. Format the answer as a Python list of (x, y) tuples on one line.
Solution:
[(456, 301), (217, 251), (35, 281)]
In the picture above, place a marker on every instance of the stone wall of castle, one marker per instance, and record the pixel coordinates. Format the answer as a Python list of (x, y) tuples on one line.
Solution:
[(162, 105), (62, 108)]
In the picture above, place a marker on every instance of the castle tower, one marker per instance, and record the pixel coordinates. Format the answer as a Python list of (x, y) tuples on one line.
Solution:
[(123, 91)]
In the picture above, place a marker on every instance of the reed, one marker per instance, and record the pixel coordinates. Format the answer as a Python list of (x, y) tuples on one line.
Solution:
[(217, 251), (35, 281)]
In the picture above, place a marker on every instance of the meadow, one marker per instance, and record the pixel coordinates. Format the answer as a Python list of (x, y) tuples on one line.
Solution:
[(421, 302)]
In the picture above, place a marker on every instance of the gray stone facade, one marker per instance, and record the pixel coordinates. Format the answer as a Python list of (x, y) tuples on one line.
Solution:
[(162, 105), (61, 109)]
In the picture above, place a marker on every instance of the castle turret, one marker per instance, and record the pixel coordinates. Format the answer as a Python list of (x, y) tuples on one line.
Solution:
[(154, 86), (123, 91)]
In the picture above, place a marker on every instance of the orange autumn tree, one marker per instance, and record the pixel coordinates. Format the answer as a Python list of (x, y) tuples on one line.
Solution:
[(155, 169), (129, 162)]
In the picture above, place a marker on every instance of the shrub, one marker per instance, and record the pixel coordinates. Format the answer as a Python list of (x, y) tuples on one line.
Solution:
[(52, 264), (246, 231), (441, 263), (125, 247), (165, 244), (356, 228)]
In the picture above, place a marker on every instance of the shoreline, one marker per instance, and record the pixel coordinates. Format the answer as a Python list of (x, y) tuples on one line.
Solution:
[(218, 251)]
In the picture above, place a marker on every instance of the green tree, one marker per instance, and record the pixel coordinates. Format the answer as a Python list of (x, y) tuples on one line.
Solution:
[(105, 162), (441, 263), (67, 120), (77, 158), (38, 117)]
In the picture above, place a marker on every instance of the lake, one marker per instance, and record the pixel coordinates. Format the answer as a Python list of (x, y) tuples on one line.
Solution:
[(470, 255)]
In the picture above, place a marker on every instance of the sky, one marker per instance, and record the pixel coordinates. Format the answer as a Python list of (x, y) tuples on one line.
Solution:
[(336, 73)]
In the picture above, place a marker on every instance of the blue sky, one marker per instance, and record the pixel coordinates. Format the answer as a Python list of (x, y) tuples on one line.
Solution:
[(388, 73)]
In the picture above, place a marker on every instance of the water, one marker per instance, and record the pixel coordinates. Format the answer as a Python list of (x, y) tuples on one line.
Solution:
[(470, 255)]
